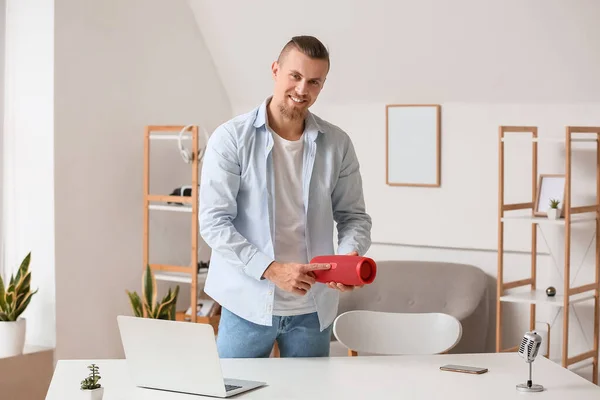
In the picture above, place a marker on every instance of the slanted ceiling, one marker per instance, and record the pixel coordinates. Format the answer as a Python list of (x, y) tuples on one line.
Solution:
[(414, 51)]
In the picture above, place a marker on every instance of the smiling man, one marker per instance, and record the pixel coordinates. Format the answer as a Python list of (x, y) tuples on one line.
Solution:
[(274, 181)]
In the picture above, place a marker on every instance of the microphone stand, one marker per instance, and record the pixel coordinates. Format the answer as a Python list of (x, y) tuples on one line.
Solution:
[(529, 386)]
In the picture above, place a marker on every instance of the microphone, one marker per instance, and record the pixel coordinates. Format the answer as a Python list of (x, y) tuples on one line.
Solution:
[(528, 350)]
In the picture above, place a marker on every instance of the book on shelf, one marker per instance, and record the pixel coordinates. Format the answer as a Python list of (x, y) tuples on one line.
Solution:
[(204, 308)]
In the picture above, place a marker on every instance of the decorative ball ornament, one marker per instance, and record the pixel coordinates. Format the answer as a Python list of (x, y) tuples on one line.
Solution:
[(551, 291)]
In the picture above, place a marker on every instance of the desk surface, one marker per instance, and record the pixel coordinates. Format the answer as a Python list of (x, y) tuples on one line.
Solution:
[(406, 377)]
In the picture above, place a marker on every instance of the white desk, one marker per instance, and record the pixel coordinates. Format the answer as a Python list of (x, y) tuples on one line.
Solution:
[(372, 378)]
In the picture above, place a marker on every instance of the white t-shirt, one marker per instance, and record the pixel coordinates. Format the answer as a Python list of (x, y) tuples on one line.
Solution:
[(289, 240)]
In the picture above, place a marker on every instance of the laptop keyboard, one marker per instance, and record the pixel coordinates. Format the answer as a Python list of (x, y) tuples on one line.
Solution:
[(229, 388)]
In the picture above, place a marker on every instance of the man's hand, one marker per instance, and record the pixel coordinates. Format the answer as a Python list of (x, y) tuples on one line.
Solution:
[(292, 277), (341, 287)]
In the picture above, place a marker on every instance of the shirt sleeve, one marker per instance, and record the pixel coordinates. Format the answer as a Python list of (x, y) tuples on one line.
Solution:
[(349, 212), (219, 185)]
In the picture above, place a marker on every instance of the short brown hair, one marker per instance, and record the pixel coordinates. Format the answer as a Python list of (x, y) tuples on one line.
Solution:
[(308, 45)]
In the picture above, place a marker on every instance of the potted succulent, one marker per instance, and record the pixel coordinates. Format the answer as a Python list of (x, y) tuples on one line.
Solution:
[(14, 299), (148, 306), (90, 386), (554, 211)]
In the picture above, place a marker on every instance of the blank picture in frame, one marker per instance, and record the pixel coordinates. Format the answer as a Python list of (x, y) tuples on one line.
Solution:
[(550, 186), (413, 145)]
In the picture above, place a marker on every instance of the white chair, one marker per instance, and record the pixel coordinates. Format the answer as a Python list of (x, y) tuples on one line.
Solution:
[(387, 333)]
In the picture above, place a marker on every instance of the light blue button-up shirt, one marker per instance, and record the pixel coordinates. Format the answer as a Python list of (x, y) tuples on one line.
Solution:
[(237, 217)]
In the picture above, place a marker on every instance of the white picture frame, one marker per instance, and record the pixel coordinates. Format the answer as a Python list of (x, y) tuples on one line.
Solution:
[(550, 186), (413, 133)]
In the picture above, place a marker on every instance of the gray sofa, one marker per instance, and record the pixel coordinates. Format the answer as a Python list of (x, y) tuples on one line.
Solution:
[(424, 286)]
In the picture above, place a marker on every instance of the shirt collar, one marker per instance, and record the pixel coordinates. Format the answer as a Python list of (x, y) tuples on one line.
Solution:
[(311, 126)]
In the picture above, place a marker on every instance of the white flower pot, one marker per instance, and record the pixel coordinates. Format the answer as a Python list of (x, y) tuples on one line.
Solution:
[(553, 213), (12, 337), (95, 394)]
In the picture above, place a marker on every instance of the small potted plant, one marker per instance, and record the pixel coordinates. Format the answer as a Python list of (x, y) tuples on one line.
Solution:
[(554, 211), (15, 295), (90, 386)]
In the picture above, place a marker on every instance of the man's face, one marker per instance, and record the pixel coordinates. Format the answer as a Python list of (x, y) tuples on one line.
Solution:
[(298, 82)]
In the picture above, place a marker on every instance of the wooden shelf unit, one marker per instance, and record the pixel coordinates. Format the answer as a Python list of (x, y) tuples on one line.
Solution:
[(571, 215), (177, 273)]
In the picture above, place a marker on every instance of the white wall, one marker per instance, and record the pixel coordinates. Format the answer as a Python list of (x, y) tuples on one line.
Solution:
[(120, 66), (29, 158), (512, 51), (2, 40), (462, 213)]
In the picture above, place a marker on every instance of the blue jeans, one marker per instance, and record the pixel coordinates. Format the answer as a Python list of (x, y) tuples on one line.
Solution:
[(297, 336)]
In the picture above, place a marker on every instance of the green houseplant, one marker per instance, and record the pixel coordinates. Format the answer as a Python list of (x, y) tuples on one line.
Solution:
[(147, 306), (554, 211), (92, 389), (14, 299)]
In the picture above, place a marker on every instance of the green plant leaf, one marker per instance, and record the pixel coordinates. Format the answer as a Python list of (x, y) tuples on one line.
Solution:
[(161, 311), (22, 284), (136, 303), (10, 297), (3, 316), (167, 296), (173, 308), (17, 277), (164, 310), (21, 307), (23, 267), (172, 312), (149, 311), (2, 295), (20, 298), (8, 310), (149, 289)]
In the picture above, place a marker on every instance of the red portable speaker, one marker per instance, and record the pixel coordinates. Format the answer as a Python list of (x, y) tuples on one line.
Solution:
[(347, 270)]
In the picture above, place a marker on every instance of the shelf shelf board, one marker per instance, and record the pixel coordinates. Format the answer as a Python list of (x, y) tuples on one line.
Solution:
[(166, 136), (181, 277), (557, 140), (575, 219), (540, 297), (170, 207), (563, 140)]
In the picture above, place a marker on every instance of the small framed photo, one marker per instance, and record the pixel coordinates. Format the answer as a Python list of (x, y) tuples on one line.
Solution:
[(550, 188)]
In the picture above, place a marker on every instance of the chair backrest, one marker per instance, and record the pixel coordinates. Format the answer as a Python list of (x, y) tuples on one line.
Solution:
[(387, 333)]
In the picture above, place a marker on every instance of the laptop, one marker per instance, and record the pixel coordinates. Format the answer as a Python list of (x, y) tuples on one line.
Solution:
[(176, 356)]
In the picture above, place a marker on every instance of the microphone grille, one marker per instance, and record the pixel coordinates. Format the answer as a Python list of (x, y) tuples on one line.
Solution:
[(530, 346), (523, 345)]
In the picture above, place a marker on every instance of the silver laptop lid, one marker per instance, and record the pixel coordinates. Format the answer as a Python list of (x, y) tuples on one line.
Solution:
[(172, 355)]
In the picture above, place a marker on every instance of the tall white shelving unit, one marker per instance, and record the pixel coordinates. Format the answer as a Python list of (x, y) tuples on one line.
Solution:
[(177, 273), (572, 215)]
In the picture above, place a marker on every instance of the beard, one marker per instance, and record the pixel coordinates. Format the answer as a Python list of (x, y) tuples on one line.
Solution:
[(292, 113)]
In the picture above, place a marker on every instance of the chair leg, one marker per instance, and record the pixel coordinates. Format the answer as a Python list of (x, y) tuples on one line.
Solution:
[(352, 353)]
